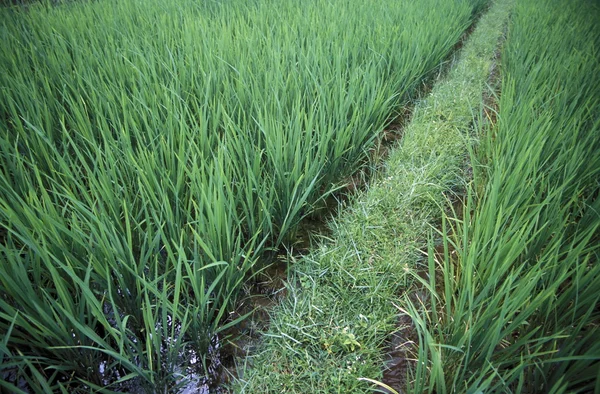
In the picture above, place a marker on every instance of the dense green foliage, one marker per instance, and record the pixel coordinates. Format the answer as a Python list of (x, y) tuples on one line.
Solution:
[(335, 331), (152, 151), (516, 309)]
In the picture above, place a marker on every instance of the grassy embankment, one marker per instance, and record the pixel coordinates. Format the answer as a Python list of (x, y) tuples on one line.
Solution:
[(151, 152), (516, 309), (334, 326)]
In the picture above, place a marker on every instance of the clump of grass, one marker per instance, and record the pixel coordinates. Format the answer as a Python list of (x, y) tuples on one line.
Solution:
[(154, 151), (515, 309)]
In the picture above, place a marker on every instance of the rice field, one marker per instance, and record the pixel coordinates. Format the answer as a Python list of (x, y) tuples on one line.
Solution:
[(514, 306), (153, 153)]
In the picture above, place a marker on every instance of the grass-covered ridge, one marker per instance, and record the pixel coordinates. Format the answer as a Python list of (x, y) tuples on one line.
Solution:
[(516, 307), (151, 151), (333, 328)]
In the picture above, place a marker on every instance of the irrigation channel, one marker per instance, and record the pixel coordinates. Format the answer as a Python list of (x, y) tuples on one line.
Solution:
[(148, 175)]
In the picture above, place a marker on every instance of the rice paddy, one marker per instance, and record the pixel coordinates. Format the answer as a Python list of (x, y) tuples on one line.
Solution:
[(514, 305), (155, 155), (154, 152)]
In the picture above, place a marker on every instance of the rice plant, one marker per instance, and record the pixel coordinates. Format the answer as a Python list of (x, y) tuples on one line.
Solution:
[(152, 152), (515, 309)]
